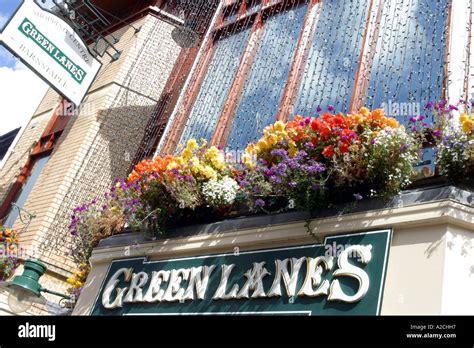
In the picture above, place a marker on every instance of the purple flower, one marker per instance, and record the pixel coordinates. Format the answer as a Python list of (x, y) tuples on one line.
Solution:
[(330, 108), (244, 183), (279, 152), (412, 119), (319, 108), (275, 179), (429, 105), (404, 147), (268, 172), (452, 107), (437, 133), (259, 203)]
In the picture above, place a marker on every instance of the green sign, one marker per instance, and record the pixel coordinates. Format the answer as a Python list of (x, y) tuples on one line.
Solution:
[(28, 29), (343, 276)]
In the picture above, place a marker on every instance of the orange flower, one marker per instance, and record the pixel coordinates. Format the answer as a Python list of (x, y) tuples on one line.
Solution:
[(147, 167), (378, 114)]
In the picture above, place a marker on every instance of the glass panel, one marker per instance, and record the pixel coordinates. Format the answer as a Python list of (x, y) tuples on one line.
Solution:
[(329, 74), (267, 78), (408, 67), (212, 95), (25, 191), (407, 71)]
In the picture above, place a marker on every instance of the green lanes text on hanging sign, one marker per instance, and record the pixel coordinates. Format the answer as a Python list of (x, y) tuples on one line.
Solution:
[(28, 29), (343, 276)]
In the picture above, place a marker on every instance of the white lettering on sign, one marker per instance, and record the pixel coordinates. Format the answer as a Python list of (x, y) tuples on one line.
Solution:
[(221, 290), (155, 293), (348, 270), (112, 285), (289, 280), (314, 273), (254, 281), (188, 284), (198, 282)]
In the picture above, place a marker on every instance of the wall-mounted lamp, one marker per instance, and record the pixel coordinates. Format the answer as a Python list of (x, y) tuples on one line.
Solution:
[(25, 289)]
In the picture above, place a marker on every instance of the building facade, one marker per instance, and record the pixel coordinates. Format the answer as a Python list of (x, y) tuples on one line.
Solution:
[(243, 65)]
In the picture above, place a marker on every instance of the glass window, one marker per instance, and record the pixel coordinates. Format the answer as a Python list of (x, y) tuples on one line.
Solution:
[(264, 87), (331, 67), (26, 190), (214, 89), (405, 63), (407, 71)]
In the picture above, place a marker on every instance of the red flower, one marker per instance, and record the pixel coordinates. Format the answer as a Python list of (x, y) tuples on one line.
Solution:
[(316, 125), (328, 151), (344, 147)]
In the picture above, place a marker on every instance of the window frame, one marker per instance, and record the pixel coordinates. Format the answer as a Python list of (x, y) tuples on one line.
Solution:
[(170, 140)]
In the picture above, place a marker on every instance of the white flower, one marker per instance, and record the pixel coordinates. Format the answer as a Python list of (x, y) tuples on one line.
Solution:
[(218, 193)]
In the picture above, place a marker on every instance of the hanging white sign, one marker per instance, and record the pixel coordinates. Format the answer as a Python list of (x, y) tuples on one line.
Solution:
[(50, 47)]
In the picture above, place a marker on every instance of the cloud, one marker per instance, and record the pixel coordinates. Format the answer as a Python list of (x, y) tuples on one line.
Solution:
[(21, 92)]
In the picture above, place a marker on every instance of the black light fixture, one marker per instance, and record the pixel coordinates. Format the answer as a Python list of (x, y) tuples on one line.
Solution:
[(185, 35)]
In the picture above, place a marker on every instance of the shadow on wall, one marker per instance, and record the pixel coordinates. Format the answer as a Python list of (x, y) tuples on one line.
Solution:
[(113, 137)]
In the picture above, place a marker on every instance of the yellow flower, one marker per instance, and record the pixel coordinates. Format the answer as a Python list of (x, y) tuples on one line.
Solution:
[(262, 144), (172, 165), (192, 144), (467, 126), (364, 111), (187, 153), (272, 139), (248, 161), (211, 153), (280, 126), (209, 173), (467, 123), (292, 151)]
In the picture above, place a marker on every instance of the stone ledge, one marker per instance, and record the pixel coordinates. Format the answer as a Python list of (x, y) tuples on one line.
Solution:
[(461, 196)]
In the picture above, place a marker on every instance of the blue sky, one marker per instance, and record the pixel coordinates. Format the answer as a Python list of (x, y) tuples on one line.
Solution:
[(16, 106), (7, 8)]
